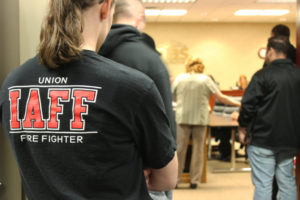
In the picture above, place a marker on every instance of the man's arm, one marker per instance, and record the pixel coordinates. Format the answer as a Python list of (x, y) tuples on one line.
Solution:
[(165, 178), (155, 142), (250, 101), (218, 94)]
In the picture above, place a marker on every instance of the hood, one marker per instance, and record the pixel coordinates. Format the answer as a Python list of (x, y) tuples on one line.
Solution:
[(118, 34)]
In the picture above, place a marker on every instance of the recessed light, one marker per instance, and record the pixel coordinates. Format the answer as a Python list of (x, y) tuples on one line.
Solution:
[(173, 12), (152, 12), (261, 12)]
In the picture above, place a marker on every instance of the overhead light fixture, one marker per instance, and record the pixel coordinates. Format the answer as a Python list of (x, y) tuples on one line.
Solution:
[(276, 1), (165, 12), (152, 12), (261, 12), (169, 1)]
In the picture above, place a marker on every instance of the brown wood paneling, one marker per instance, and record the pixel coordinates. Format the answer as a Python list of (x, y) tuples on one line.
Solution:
[(234, 93)]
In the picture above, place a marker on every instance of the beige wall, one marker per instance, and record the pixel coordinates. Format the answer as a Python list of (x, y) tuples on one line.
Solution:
[(32, 13), (19, 37), (9, 59), (227, 49)]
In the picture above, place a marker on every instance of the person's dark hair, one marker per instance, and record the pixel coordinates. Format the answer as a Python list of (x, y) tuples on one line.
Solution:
[(281, 30), (61, 33), (280, 44)]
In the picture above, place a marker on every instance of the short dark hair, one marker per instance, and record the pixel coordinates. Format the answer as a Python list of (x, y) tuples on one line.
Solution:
[(279, 43), (281, 30)]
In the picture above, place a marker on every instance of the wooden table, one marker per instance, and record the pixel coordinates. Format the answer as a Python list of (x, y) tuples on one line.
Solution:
[(220, 121)]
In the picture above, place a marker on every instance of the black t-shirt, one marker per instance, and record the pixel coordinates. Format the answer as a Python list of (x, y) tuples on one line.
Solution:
[(85, 130)]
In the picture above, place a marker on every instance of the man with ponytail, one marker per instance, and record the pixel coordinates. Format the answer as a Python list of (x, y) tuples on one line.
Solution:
[(81, 126)]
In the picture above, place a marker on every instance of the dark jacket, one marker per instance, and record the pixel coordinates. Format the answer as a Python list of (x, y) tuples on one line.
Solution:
[(124, 45), (271, 106)]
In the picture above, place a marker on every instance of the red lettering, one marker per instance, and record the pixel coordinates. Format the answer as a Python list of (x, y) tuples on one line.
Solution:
[(14, 97), (80, 96), (33, 112), (56, 96)]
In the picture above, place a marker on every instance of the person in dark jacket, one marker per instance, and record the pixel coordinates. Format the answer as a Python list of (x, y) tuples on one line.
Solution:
[(124, 45), (284, 31), (269, 121)]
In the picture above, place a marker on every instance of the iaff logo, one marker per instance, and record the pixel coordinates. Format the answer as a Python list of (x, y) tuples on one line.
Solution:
[(33, 117)]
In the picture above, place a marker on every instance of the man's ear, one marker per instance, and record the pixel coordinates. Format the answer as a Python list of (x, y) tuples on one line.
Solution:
[(272, 51), (105, 9)]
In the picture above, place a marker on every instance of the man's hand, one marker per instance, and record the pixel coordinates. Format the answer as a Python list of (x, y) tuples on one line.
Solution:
[(235, 115), (147, 173), (242, 135)]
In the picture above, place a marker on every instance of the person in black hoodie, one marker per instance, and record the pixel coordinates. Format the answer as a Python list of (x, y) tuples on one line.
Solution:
[(124, 45)]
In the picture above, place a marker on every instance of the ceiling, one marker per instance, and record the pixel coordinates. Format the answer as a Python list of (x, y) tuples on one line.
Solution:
[(222, 11)]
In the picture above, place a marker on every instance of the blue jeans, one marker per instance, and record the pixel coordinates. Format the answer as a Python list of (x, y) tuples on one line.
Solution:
[(158, 195), (266, 163)]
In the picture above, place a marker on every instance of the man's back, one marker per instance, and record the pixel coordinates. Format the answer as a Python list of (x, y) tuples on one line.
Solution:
[(272, 102), (124, 45), (81, 138)]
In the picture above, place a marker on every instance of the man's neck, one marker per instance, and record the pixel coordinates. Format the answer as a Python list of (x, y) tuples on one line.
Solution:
[(91, 30), (279, 56), (129, 22)]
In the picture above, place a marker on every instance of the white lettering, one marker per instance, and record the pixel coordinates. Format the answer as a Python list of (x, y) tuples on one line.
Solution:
[(29, 138), (47, 80), (53, 80), (72, 139), (64, 80), (41, 80)]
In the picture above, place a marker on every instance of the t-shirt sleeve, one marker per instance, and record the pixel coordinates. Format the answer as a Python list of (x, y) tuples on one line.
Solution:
[(154, 137), (211, 85)]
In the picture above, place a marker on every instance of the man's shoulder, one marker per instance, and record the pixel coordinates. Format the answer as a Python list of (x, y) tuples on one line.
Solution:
[(126, 74), (138, 48), (139, 56)]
